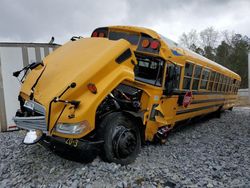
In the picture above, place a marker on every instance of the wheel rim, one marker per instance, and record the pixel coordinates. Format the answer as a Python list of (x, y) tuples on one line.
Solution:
[(124, 142)]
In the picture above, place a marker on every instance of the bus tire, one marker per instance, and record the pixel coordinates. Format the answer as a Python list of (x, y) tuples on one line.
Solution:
[(122, 140), (217, 113)]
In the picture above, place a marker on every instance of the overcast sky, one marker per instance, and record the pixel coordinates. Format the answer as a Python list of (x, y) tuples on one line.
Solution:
[(38, 20)]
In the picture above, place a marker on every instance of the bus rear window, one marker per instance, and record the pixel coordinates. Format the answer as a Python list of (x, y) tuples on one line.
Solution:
[(133, 38)]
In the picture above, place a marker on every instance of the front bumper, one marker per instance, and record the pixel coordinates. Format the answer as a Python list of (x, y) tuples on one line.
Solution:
[(71, 143), (36, 117), (32, 123), (36, 126), (84, 151)]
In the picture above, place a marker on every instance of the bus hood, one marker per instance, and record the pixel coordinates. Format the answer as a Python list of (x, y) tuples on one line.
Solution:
[(91, 60)]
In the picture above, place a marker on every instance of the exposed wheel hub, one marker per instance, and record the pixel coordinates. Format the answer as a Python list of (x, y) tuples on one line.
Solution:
[(124, 142)]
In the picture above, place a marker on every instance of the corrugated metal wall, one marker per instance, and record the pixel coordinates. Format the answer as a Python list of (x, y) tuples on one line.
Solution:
[(14, 56)]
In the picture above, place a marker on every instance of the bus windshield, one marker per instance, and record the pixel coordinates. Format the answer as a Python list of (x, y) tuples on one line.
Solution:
[(149, 70)]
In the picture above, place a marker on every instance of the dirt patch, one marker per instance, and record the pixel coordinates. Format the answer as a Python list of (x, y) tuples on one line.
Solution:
[(243, 101)]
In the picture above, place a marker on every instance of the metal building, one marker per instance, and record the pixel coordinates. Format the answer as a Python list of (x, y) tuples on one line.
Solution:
[(13, 57)]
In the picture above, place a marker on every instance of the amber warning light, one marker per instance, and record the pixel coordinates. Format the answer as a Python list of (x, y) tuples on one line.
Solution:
[(145, 43)]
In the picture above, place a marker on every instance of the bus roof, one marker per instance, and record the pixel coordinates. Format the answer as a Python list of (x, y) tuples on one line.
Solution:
[(147, 31), (173, 46), (189, 53)]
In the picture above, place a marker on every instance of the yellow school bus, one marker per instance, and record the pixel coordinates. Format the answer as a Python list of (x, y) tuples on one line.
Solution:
[(117, 89)]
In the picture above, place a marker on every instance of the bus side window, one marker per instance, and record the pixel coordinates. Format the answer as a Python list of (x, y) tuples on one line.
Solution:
[(216, 79), (238, 86), (219, 78), (224, 84), (173, 75), (231, 85), (205, 77), (188, 76), (227, 81), (178, 76), (210, 86), (220, 82), (197, 75)]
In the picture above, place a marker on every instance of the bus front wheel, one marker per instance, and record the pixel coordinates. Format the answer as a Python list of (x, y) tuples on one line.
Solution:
[(122, 141)]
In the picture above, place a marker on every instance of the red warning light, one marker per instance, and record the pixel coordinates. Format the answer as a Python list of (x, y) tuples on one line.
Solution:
[(95, 34), (155, 44), (92, 88)]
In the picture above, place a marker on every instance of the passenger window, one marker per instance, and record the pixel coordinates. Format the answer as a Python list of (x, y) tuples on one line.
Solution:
[(219, 83), (216, 79), (227, 83), (224, 83), (205, 76), (197, 75), (230, 85), (210, 86), (234, 85), (188, 75), (189, 69), (197, 72), (178, 76), (238, 86), (172, 80), (186, 83)]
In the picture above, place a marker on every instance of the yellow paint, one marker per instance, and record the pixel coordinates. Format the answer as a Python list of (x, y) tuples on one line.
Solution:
[(92, 60)]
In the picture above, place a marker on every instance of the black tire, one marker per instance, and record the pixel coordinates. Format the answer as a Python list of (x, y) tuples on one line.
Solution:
[(122, 140), (218, 112)]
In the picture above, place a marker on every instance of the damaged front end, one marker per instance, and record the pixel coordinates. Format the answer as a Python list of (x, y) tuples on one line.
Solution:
[(31, 117), (60, 99)]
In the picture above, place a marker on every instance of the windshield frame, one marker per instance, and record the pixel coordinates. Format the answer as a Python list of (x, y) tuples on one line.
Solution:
[(158, 81)]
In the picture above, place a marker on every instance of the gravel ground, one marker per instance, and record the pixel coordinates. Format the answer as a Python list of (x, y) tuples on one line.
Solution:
[(212, 153)]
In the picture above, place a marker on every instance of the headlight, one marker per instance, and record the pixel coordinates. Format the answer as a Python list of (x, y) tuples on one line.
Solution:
[(71, 128)]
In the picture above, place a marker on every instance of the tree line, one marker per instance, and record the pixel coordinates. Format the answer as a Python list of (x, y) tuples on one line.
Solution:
[(226, 48)]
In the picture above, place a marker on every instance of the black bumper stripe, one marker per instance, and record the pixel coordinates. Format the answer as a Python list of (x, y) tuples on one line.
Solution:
[(211, 100), (197, 109)]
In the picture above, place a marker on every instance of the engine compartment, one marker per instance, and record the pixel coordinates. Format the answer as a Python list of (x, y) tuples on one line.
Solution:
[(123, 97)]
